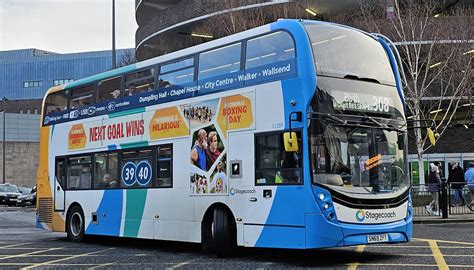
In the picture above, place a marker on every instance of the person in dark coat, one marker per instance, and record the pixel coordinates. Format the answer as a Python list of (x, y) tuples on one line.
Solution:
[(434, 181), (456, 181)]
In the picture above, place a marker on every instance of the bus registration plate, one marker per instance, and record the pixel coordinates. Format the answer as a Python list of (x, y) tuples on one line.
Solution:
[(377, 238)]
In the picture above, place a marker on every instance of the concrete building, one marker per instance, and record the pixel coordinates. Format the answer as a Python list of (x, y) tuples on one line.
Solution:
[(25, 76), (169, 25)]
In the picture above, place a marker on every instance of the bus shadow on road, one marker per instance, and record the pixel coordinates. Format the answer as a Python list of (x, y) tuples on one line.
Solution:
[(284, 257)]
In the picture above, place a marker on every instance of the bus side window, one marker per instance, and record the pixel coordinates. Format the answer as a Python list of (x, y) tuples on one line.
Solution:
[(274, 166), (82, 96), (56, 102), (177, 73), (139, 82), (269, 49), (220, 61), (164, 174), (106, 170), (79, 172), (108, 89)]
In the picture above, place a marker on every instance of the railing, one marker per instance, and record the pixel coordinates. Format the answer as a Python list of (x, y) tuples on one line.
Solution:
[(464, 201), (441, 202)]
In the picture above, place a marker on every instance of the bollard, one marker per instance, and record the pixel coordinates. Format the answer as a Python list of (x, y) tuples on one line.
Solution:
[(443, 202)]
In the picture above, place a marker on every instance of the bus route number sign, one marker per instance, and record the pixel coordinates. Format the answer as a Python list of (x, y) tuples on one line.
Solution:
[(136, 173)]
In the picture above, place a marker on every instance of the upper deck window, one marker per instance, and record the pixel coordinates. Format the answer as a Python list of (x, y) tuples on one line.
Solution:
[(109, 89), (56, 102), (268, 49), (347, 53), (220, 61), (139, 82), (177, 73), (82, 96)]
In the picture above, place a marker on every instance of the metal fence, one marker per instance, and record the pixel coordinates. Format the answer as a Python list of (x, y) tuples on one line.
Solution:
[(427, 203)]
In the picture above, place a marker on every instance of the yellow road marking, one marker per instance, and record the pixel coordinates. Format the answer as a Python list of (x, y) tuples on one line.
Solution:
[(448, 247), (182, 264), (353, 266), (64, 259), (15, 245), (444, 241), (100, 265), (397, 265), (30, 253), (438, 256)]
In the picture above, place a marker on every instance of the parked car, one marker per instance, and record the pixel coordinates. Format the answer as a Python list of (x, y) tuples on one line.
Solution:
[(9, 194), (27, 199), (25, 190)]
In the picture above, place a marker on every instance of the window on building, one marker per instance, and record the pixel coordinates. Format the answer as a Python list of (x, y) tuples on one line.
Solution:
[(29, 84), (220, 61), (28, 111), (136, 169), (275, 166), (21, 111), (35, 83), (109, 89), (82, 96), (164, 172), (79, 172), (25, 84), (106, 170), (35, 110), (268, 49), (139, 82), (56, 102)]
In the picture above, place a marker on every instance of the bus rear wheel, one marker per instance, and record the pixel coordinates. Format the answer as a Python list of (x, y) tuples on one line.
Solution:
[(75, 224), (223, 233)]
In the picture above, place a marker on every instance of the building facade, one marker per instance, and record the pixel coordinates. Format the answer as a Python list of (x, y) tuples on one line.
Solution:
[(169, 25), (25, 76)]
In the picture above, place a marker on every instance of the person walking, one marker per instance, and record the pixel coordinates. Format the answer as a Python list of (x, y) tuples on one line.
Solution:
[(456, 182), (434, 181), (469, 178)]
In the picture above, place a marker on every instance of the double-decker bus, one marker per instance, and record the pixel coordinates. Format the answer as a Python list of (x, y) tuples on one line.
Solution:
[(289, 135)]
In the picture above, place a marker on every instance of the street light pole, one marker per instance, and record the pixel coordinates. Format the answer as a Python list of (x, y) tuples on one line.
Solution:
[(114, 64), (4, 112)]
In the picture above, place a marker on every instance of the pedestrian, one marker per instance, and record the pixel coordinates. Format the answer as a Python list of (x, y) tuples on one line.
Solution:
[(434, 181), (456, 182), (469, 178)]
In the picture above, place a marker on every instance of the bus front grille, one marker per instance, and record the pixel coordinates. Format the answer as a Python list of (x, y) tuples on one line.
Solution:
[(45, 210)]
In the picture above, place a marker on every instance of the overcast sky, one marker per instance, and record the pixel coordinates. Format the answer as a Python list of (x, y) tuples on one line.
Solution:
[(66, 26)]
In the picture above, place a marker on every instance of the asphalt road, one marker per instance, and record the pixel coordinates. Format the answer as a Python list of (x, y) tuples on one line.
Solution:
[(23, 246)]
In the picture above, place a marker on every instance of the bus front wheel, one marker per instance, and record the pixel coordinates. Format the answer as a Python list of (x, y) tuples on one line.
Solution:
[(223, 232), (75, 224)]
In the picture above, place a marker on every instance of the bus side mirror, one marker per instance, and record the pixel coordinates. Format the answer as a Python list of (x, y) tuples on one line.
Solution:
[(431, 136), (291, 141)]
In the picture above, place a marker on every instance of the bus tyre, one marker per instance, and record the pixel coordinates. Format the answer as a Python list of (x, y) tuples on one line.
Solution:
[(224, 233), (75, 224)]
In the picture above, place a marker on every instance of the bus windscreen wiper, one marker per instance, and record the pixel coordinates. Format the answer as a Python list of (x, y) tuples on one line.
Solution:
[(384, 125), (355, 77)]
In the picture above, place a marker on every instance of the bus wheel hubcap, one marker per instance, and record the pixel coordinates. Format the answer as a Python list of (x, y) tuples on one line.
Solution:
[(76, 224)]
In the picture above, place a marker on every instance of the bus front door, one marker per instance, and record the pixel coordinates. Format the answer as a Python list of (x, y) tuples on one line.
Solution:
[(59, 182)]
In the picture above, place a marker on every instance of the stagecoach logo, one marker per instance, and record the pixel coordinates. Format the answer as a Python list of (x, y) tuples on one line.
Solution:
[(46, 120), (111, 106), (234, 191), (360, 215)]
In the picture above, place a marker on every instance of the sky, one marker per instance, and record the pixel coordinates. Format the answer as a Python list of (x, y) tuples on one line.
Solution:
[(66, 26)]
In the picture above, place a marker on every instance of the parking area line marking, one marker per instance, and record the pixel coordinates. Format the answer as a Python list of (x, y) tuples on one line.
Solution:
[(101, 265), (438, 256), (178, 265), (443, 241), (15, 245), (64, 259), (353, 266), (30, 253)]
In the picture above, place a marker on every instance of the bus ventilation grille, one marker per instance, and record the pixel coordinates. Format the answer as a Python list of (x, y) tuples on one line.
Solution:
[(45, 210)]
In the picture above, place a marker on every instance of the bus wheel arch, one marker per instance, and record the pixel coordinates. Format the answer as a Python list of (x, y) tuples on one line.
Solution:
[(75, 223), (219, 230)]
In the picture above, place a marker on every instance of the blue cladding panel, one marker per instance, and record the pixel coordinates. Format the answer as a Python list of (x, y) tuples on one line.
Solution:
[(109, 214), (19, 66)]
